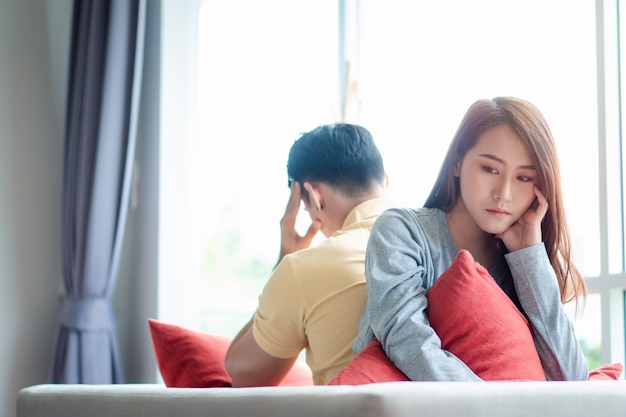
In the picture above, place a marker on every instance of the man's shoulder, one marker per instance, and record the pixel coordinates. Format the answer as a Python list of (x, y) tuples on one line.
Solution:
[(368, 209)]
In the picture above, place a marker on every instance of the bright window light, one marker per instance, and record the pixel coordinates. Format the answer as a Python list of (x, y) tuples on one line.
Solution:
[(257, 74)]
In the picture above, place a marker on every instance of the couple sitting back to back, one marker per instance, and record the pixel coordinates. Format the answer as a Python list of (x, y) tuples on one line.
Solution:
[(498, 195)]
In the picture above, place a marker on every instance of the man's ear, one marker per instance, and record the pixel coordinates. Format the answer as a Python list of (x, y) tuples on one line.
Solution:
[(315, 197)]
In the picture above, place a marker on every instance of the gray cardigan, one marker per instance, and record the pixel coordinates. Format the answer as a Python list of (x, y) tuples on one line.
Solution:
[(407, 251)]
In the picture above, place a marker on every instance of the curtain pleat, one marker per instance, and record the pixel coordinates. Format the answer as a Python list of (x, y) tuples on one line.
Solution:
[(106, 59)]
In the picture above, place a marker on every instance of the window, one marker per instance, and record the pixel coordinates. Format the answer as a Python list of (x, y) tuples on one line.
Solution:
[(258, 79), (242, 80), (420, 65)]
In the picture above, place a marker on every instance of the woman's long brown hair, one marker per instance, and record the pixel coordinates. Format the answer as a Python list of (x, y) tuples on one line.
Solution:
[(530, 125)]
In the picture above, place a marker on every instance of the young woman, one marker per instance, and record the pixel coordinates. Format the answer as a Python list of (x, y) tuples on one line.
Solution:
[(498, 195)]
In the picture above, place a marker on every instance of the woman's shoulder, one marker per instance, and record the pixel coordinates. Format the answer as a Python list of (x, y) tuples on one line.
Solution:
[(419, 214), (425, 224)]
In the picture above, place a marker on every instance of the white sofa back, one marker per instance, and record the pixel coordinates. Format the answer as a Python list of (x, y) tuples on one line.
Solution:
[(397, 399)]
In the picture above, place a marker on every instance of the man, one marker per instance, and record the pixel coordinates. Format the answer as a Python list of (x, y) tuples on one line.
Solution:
[(315, 295)]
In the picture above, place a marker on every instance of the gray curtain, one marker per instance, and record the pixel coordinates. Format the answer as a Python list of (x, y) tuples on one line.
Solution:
[(106, 56)]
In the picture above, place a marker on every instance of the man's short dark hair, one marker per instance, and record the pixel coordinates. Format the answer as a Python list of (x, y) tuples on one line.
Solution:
[(341, 155)]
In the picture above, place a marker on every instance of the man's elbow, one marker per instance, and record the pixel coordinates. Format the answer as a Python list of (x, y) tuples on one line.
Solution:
[(234, 369), (240, 374), (244, 374)]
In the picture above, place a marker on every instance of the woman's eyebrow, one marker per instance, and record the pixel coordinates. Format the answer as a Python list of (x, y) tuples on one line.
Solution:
[(502, 161)]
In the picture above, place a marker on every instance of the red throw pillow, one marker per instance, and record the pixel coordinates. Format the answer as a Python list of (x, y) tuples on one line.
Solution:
[(193, 359), (478, 323), (610, 372), (475, 320), (369, 366), (372, 365)]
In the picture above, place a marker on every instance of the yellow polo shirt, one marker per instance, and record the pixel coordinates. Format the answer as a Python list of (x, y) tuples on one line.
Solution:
[(314, 298)]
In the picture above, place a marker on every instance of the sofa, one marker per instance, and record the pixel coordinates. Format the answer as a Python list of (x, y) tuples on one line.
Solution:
[(397, 399), (195, 383)]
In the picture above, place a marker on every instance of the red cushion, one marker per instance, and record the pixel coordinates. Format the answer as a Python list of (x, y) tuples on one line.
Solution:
[(193, 359), (479, 324), (610, 371), (475, 320), (370, 365)]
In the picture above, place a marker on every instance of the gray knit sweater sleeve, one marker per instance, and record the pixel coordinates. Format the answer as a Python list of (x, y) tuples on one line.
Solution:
[(400, 266), (538, 292), (408, 250)]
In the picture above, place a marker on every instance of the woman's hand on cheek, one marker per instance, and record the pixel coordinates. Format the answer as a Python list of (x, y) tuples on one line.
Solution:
[(526, 231)]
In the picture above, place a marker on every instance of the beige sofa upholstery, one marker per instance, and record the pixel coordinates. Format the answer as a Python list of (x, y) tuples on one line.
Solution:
[(397, 399)]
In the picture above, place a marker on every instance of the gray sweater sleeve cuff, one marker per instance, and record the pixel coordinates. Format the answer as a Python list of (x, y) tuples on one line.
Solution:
[(538, 291)]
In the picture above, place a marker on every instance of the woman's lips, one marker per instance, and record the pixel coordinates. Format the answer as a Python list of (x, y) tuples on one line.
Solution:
[(498, 212)]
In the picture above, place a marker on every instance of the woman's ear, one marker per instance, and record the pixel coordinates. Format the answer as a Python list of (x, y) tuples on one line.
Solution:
[(315, 197)]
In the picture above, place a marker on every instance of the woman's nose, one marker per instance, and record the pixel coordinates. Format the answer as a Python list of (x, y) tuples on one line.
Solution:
[(503, 191)]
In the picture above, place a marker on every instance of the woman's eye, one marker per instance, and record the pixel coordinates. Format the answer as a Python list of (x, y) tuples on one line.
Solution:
[(524, 178), (490, 170)]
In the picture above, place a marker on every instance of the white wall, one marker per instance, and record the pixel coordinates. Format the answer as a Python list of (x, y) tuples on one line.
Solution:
[(31, 153), (34, 48)]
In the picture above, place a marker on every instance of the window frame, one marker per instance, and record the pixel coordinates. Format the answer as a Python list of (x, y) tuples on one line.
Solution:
[(611, 287), (179, 25)]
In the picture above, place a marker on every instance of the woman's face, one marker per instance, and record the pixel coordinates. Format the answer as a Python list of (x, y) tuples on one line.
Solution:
[(497, 177)]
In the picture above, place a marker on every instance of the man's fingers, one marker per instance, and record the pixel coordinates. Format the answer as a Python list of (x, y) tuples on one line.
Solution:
[(294, 196), (293, 204)]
